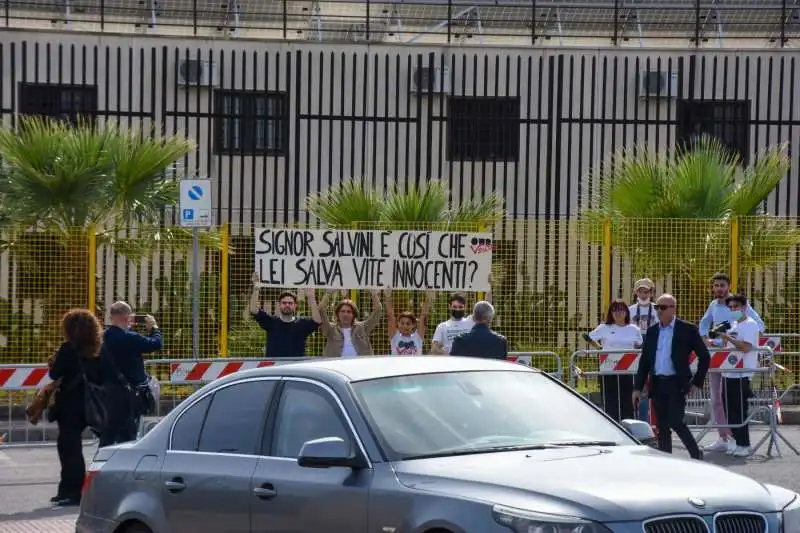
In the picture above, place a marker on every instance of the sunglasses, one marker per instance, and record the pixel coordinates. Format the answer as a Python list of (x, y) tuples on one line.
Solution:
[(663, 307)]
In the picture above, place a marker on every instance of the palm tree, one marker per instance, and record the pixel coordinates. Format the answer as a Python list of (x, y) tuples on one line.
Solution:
[(58, 180), (354, 203), (670, 217)]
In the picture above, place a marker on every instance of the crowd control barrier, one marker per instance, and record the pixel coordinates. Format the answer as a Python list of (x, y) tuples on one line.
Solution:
[(605, 377), (178, 379)]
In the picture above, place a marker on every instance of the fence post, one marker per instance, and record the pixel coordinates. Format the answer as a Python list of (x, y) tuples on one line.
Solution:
[(734, 254), (91, 300), (224, 286), (481, 294), (354, 292), (606, 273)]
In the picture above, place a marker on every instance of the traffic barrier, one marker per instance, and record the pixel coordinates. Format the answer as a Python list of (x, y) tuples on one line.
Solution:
[(610, 386)]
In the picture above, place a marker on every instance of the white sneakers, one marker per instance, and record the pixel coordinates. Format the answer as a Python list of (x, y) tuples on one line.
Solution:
[(721, 445), (728, 447)]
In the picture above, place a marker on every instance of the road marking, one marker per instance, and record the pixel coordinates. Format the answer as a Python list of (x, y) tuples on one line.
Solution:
[(44, 525)]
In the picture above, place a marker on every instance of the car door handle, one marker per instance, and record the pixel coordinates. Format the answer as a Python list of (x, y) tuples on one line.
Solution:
[(175, 485), (265, 491)]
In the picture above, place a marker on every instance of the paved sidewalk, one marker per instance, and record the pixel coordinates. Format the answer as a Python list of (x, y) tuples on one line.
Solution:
[(43, 525)]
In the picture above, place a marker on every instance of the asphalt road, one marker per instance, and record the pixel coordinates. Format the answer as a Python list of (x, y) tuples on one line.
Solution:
[(28, 478)]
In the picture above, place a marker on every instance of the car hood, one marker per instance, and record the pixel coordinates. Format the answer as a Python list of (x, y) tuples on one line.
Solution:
[(605, 484)]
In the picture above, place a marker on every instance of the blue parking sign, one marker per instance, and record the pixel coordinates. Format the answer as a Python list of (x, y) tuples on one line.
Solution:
[(188, 214)]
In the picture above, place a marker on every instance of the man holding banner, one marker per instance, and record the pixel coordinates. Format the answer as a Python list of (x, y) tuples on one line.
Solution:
[(286, 332)]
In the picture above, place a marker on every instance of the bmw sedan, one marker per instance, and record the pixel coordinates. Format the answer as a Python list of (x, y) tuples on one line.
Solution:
[(411, 445)]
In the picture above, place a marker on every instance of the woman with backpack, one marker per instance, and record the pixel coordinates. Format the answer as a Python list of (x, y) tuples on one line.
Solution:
[(77, 359)]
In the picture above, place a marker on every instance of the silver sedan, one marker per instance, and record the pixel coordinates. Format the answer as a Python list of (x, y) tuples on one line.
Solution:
[(411, 445)]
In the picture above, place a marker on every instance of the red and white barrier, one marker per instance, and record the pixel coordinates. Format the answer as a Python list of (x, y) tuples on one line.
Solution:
[(206, 371), (629, 362), (23, 377)]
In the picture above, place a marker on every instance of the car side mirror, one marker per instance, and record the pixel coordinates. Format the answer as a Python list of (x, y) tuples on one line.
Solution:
[(327, 452), (641, 431)]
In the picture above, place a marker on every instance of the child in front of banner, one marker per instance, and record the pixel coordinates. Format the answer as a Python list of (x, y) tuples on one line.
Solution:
[(406, 330)]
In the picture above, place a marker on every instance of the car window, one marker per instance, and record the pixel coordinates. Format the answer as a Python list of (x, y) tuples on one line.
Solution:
[(466, 412), (235, 418), (186, 431), (305, 412)]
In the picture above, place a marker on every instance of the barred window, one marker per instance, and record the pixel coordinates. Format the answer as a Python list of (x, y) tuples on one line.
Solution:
[(483, 128), (59, 101), (726, 120), (251, 122)]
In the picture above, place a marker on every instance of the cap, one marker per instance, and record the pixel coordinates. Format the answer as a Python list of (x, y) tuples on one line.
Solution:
[(645, 282)]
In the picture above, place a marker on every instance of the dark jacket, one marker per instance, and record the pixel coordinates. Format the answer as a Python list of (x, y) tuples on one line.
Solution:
[(67, 367), (685, 340), (126, 349), (480, 341)]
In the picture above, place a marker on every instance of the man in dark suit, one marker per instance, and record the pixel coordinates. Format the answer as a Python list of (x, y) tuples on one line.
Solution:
[(481, 341), (666, 352)]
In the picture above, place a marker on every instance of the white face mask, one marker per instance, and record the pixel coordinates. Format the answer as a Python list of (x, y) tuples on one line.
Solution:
[(644, 302)]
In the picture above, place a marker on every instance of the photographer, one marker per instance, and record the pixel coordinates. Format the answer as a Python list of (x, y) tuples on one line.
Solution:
[(743, 336), (717, 314)]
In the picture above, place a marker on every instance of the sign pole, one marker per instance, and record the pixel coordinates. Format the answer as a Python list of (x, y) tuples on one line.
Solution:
[(195, 210), (195, 294)]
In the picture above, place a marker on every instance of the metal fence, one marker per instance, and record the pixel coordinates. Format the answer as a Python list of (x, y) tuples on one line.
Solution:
[(406, 21), (274, 123), (552, 281)]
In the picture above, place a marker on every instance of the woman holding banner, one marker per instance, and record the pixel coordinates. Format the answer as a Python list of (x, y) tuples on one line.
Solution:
[(347, 336), (616, 333), (406, 331)]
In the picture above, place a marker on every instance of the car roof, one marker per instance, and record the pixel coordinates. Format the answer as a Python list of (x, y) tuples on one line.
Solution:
[(375, 367)]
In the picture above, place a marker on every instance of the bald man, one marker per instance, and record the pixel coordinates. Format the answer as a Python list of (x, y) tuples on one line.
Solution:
[(666, 356)]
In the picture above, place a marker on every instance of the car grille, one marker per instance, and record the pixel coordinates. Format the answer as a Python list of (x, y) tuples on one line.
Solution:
[(740, 523), (677, 524)]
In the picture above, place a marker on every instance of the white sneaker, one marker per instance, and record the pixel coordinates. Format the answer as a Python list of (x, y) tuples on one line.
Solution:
[(719, 445), (731, 446), (742, 451)]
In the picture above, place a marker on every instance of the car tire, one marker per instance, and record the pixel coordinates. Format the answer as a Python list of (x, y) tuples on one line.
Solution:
[(137, 528)]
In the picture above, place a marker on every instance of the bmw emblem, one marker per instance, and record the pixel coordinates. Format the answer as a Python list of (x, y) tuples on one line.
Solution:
[(732, 359), (697, 502)]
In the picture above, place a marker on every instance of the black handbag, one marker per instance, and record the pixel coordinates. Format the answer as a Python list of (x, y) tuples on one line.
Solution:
[(95, 403)]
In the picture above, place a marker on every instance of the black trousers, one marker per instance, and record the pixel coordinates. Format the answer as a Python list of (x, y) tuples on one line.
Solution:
[(735, 393), (669, 404), (70, 455), (617, 394)]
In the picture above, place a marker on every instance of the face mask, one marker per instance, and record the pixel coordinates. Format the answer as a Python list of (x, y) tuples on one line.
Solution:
[(458, 314), (737, 315), (644, 302)]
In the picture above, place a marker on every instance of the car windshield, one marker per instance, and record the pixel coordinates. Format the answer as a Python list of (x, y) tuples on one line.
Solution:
[(457, 413)]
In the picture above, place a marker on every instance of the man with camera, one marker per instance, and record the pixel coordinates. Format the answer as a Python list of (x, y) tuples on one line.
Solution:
[(717, 319)]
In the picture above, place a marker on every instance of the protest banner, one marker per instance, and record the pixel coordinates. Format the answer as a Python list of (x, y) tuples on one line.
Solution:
[(373, 259)]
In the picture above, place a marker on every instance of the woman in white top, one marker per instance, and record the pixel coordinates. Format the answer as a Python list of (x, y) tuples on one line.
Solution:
[(406, 330), (736, 391), (617, 333)]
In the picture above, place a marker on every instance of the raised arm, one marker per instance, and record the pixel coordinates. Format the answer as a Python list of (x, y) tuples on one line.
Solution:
[(325, 323), (254, 305), (430, 296), (311, 296), (377, 310), (390, 317)]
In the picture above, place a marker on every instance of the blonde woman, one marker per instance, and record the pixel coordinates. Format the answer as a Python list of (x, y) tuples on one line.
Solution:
[(347, 336)]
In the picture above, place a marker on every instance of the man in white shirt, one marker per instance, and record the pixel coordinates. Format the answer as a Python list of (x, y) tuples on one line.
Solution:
[(736, 391), (717, 313), (448, 330)]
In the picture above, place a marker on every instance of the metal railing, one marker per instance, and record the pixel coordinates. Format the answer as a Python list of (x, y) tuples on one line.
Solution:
[(409, 21)]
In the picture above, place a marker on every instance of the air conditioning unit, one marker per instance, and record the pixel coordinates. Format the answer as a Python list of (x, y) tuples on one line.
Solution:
[(197, 73), (658, 83), (431, 80)]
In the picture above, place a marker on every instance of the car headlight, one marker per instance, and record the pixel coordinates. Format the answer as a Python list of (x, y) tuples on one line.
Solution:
[(521, 521), (790, 518)]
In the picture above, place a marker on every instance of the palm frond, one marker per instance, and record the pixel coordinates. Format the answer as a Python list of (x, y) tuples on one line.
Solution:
[(425, 203), (759, 180), (148, 240), (484, 212), (346, 204)]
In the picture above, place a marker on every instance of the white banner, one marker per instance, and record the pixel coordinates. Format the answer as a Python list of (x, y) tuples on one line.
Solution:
[(337, 259)]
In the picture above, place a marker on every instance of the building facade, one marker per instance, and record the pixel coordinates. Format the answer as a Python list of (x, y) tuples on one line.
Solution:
[(275, 121)]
